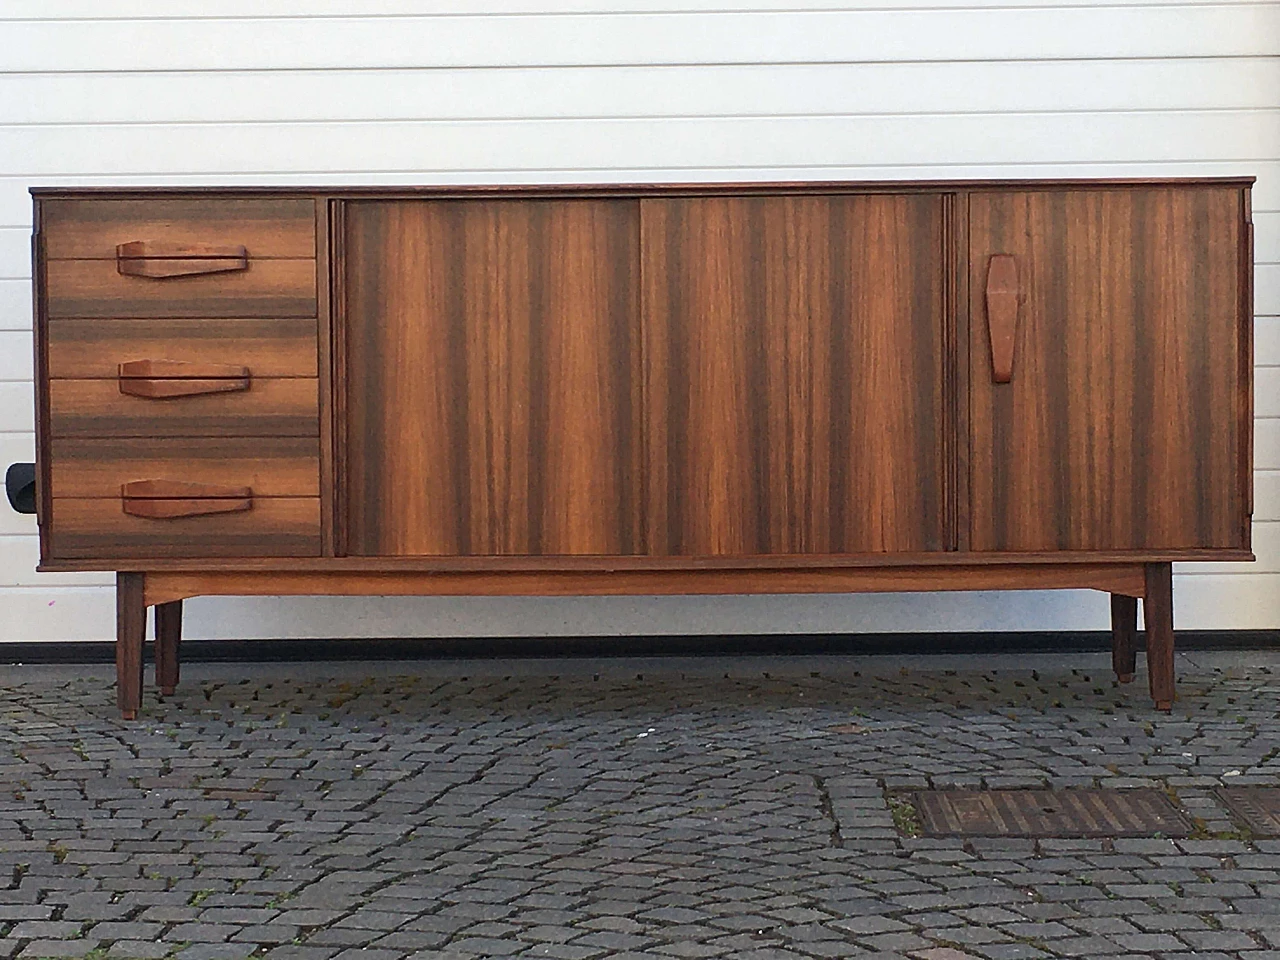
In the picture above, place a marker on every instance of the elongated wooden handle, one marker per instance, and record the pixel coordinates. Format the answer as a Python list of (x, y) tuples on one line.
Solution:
[(173, 499), (161, 388), (161, 260), (166, 509), (166, 379), (1002, 314)]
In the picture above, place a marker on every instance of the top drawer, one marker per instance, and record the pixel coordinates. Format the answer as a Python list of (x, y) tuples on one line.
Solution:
[(197, 257), (269, 229)]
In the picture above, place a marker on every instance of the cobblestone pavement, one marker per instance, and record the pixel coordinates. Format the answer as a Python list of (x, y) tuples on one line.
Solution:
[(622, 809)]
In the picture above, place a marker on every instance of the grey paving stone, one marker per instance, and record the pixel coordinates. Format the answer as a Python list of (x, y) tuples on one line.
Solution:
[(139, 949), (216, 951), (58, 948)]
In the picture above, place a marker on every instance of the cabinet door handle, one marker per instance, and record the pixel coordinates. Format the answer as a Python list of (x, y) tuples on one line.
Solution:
[(161, 260), (172, 499), (165, 379), (1002, 314)]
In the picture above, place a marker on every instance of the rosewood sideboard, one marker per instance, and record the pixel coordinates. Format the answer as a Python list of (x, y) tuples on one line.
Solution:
[(689, 389)]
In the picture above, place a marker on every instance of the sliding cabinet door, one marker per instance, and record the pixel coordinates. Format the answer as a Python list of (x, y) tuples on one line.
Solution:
[(794, 375), (491, 386)]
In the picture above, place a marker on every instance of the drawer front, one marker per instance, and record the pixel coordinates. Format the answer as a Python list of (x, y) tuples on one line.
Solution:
[(269, 466), (92, 229), (265, 288), (87, 349), (101, 529), (97, 408)]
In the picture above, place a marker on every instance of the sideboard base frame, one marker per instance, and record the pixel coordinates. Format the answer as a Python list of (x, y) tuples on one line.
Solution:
[(165, 590)]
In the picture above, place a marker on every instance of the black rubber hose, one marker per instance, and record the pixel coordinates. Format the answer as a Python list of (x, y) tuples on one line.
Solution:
[(20, 485)]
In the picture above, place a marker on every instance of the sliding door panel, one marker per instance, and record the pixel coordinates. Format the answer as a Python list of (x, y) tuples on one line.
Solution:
[(491, 348)]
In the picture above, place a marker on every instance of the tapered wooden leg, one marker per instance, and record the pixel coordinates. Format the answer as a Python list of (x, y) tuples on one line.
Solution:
[(1124, 636), (131, 627), (168, 643), (1157, 611)]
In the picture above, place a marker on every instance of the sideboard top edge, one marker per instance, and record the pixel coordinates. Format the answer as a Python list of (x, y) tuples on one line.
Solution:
[(394, 191)]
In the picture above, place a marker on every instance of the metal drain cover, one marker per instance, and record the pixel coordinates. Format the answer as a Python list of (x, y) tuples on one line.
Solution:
[(1049, 813), (1257, 807)]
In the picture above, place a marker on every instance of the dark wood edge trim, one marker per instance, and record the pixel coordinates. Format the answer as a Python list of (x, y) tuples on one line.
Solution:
[(631, 189), (324, 369), (640, 419), (950, 428), (339, 448), (960, 251), (1127, 579), (528, 564), (43, 425), (1245, 387)]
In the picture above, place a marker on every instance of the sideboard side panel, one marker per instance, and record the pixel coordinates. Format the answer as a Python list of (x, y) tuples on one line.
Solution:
[(490, 388)]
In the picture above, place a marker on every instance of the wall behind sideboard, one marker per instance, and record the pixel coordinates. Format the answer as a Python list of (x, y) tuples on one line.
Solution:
[(486, 91)]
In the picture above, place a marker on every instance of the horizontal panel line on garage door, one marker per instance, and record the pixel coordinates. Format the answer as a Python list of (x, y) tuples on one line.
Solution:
[(1150, 60), (760, 142), (124, 70), (673, 37), (754, 115), (247, 176), (95, 10), (659, 90)]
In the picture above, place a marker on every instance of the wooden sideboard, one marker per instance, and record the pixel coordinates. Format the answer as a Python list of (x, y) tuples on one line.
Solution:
[(694, 389)]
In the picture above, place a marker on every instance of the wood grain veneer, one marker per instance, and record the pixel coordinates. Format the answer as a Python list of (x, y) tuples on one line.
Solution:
[(97, 408), (92, 349), (272, 466), (1120, 426), (272, 527), (492, 370), (167, 586), (92, 228), (793, 374), (267, 288)]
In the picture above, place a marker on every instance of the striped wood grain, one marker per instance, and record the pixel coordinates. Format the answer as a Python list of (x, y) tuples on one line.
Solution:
[(274, 527), (1122, 424), (271, 466), (94, 348), (793, 374), (491, 377), (97, 408)]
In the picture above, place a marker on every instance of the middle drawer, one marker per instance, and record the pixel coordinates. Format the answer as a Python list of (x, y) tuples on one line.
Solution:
[(94, 349), (267, 408), (138, 377)]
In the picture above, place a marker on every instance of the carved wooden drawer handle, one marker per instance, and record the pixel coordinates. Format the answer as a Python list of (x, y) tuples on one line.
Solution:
[(161, 260), (166, 379), (172, 499), (1002, 314)]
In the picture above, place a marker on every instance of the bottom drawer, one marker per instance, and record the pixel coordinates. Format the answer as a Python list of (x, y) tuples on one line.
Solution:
[(93, 529)]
